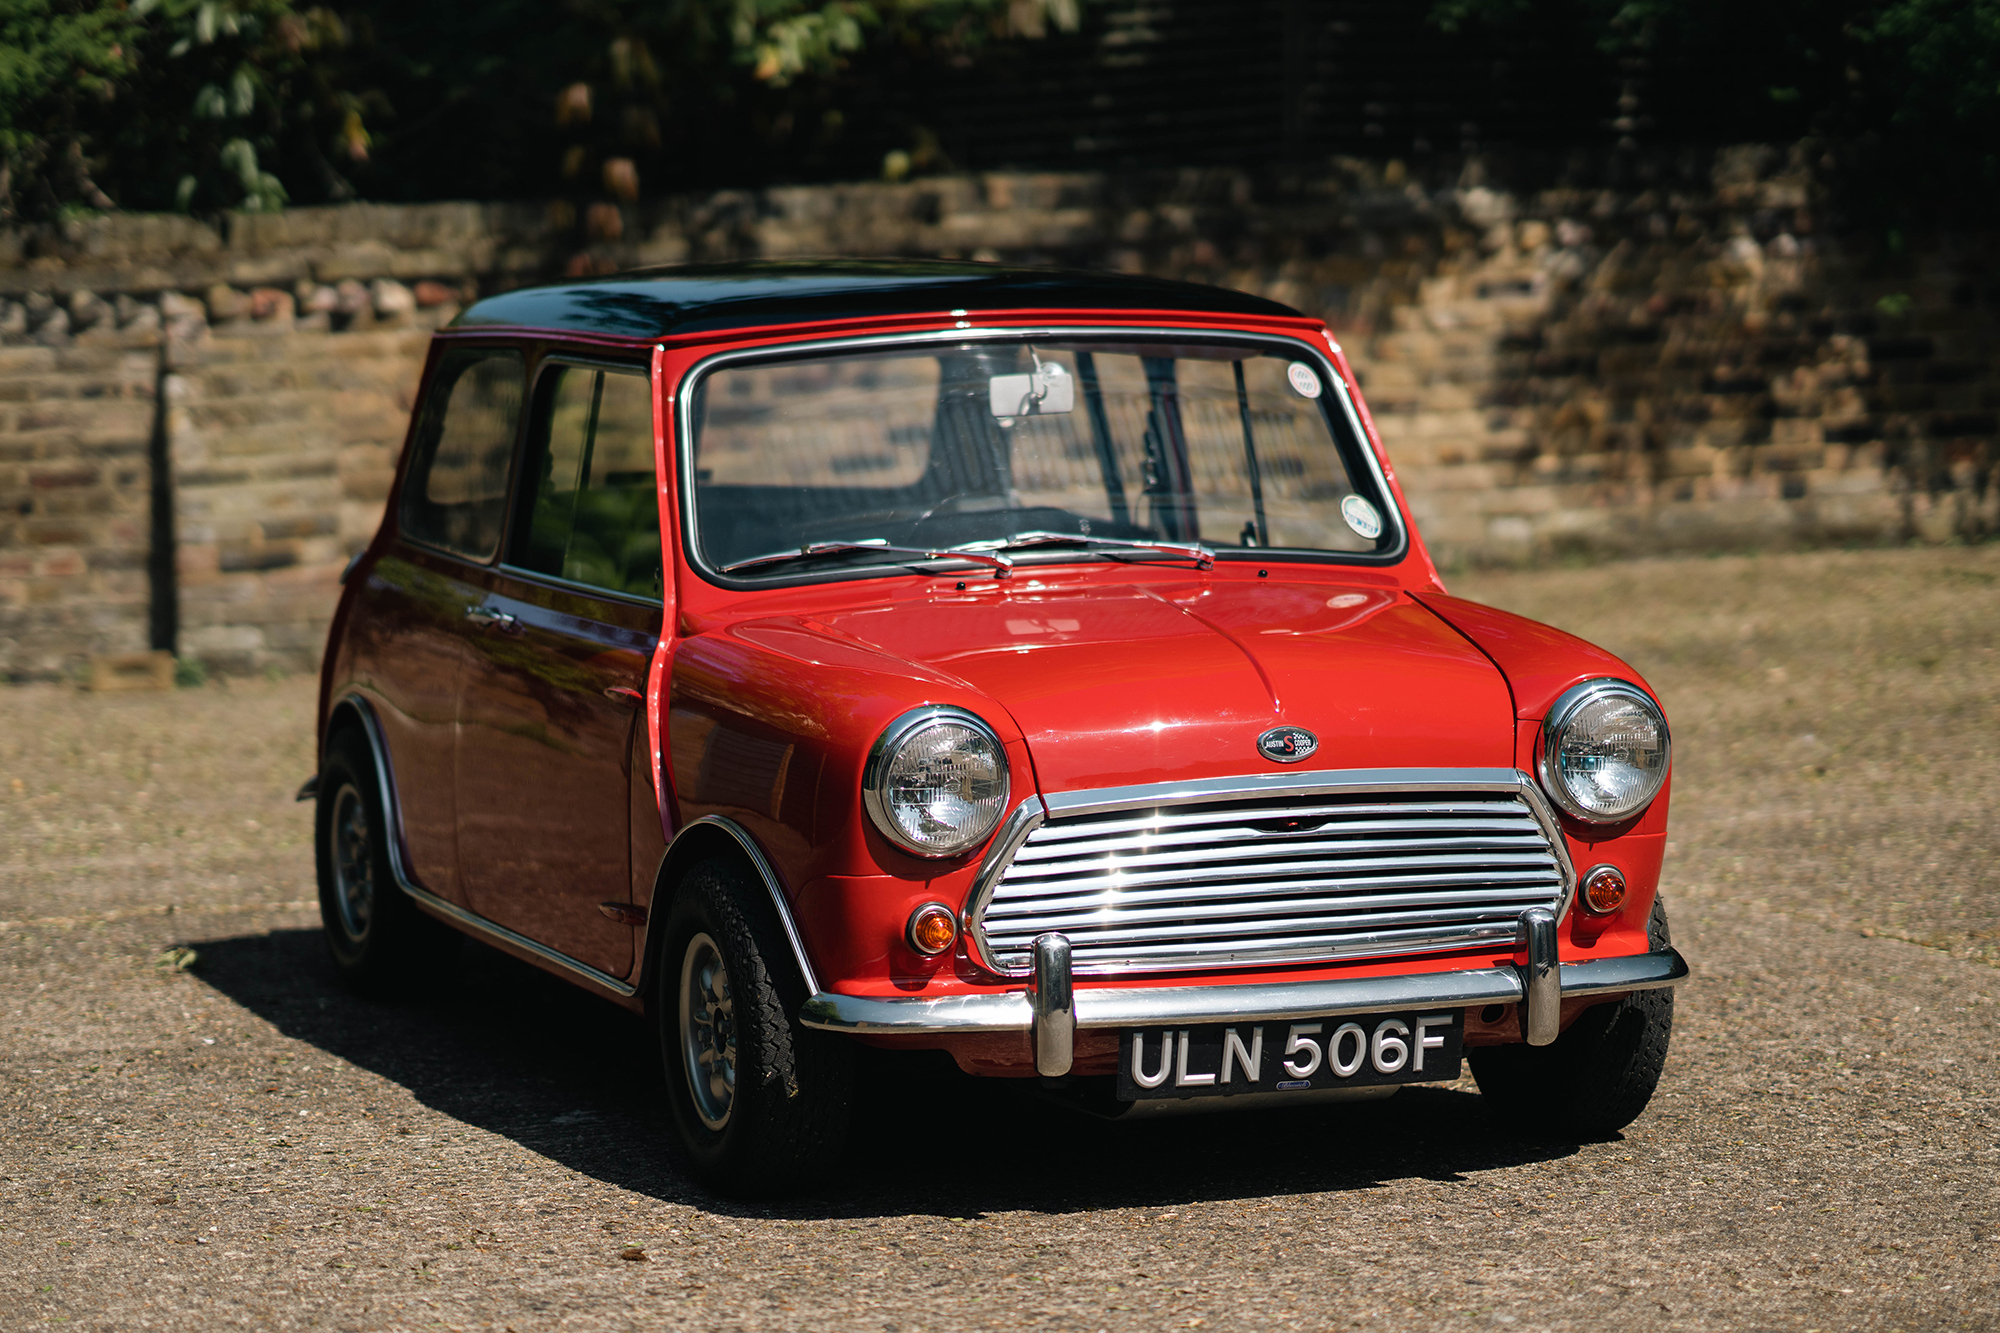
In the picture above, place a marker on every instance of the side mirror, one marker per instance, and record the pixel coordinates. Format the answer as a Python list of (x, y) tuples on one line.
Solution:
[(1049, 390)]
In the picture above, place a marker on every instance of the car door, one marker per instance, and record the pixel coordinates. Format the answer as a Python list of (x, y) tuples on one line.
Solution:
[(409, 625), (552, 695)]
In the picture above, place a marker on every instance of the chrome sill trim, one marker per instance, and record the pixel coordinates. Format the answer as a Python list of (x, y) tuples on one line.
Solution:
[(499, 934), (1117, 1007)]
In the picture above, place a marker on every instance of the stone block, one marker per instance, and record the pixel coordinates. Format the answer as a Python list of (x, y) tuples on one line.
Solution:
[(120, 672)]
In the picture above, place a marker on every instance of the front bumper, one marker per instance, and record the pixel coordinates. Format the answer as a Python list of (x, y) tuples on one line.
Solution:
[(1052, 1010)]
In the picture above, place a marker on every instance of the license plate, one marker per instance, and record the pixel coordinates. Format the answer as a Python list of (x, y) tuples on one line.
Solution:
[(1355, 1051)]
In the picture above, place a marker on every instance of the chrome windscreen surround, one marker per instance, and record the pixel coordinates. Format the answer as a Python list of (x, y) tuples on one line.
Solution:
[(1270, 869)]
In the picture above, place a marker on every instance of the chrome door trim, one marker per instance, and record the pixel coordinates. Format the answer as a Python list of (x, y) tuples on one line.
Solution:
[(469, 920), (999, 1012), (1035, 811)]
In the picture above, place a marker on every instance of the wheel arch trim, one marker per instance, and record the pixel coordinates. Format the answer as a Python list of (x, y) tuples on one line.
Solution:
[(689, 845)]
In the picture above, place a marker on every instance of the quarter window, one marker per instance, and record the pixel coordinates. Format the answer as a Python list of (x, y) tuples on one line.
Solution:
[(456, 493), (593, 516)]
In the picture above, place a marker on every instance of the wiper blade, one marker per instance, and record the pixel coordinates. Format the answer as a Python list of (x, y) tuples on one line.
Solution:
[(1195, 551), (1000, 564)]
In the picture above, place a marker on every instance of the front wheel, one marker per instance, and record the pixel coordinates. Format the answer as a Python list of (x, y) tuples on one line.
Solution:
[(1595, 1078), (761, 1103)]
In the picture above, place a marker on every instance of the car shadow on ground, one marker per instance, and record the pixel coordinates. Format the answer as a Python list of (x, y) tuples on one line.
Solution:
[(508, 1049)]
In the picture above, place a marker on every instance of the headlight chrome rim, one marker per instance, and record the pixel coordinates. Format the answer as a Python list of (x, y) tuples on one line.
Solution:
[(1563, 712), (904, 729)]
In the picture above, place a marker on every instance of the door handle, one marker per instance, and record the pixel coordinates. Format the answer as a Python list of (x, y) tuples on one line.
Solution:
[(486, 615), (624, 694)]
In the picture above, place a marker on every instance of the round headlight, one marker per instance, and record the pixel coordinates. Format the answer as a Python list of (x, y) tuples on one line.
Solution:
[(936, 782), (1604, 751)]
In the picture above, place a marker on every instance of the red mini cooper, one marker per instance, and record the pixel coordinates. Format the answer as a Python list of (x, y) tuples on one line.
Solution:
[(1036, 666)]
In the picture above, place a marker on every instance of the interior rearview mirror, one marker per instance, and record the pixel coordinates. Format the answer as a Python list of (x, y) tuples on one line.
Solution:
[(1050, 389)]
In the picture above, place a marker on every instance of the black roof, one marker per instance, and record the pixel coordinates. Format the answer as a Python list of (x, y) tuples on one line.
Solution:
[(694, 298)]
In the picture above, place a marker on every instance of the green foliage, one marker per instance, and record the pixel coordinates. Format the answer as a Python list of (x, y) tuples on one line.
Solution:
[(1926, 72), (60, 64), (784, 39), (1940, 62), (207, 105)]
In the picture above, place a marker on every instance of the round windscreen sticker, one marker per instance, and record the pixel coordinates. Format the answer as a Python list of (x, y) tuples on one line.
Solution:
[(1362, 517), (1304, 379)]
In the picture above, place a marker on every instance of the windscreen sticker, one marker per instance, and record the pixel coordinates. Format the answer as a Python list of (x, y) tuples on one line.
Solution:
[(1363, 517), (1304, 379)]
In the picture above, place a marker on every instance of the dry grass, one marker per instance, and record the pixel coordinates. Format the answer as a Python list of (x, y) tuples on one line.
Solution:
[(118, 803)]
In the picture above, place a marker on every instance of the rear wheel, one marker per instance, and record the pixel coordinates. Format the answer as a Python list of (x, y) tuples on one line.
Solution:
[(1595, 1078), (761, 1103), (377, 937)]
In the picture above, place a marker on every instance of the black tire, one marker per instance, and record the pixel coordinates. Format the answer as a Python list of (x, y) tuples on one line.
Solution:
[(725, 972), (379, 940), (1595, 1078)]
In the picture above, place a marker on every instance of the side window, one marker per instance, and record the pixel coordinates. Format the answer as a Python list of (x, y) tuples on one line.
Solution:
[(456, 493), (594, 513)]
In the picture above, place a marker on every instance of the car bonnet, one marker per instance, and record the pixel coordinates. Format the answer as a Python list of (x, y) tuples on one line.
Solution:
[(1123, 683)]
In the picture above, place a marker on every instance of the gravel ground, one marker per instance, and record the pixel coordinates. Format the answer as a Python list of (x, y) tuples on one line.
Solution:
[(243, 1144)]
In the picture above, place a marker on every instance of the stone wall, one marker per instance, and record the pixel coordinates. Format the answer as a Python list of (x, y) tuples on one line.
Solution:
[(76, 485), (1693, 360), (194, 473), (283, 443)]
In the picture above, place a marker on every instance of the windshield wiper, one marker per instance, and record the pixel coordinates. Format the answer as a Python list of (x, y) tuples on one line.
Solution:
[(1202, 556), (1000, 564)]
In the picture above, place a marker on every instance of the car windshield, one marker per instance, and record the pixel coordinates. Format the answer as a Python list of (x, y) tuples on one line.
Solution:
[(1238, 447)]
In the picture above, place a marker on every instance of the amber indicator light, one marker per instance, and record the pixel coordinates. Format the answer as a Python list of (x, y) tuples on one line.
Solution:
[(1604, 890), (933, 929)]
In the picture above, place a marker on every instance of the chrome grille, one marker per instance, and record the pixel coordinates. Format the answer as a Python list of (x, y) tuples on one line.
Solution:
[(1298, 877)]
